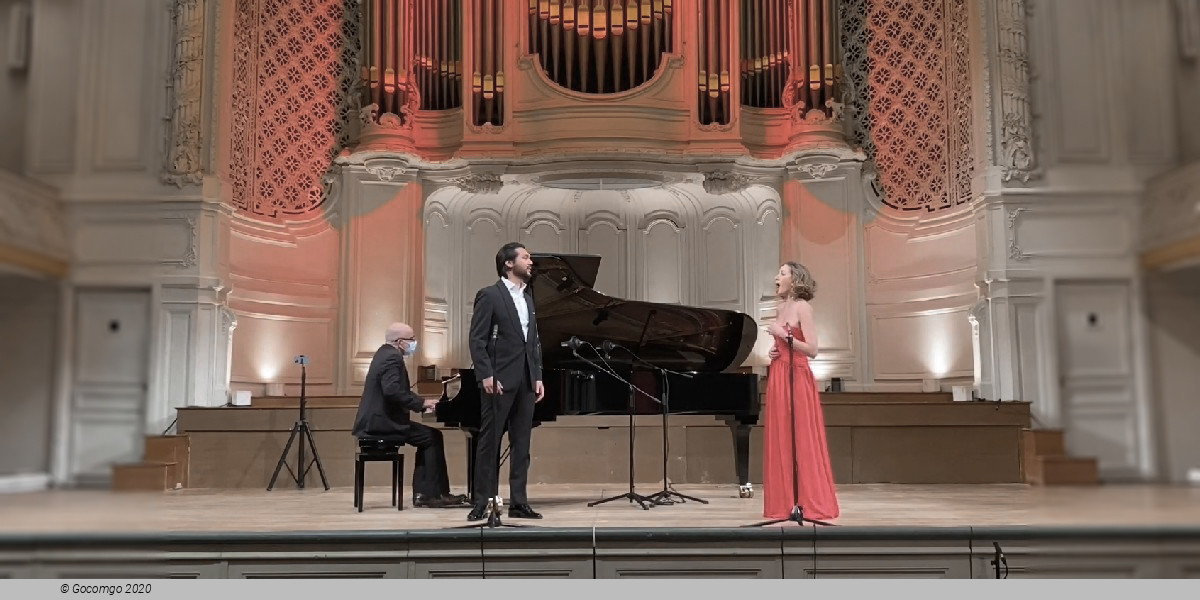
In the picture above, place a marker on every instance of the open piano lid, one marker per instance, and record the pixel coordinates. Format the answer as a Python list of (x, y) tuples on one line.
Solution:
[(671, 336)]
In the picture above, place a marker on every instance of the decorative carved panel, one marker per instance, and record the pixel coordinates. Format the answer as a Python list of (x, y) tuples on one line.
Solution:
[(294, 64), (908, 66)]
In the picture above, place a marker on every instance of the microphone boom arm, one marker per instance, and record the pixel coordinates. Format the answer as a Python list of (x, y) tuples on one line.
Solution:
[(611, 373)]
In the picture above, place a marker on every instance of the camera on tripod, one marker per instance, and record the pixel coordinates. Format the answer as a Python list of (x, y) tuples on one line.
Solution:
[(301, 433)]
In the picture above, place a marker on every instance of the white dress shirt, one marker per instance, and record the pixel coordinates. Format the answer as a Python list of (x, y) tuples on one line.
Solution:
[(518, 296)]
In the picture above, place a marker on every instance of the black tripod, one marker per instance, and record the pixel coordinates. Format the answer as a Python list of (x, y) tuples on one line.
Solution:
[(644, 501), (797, 514), (667, 495), (300, 431)]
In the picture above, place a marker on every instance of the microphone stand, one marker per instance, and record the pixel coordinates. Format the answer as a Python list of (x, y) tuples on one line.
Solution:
[(667, 495), (644, 501), (797, 514)]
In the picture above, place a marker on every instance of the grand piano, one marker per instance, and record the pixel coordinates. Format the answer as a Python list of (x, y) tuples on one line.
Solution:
[(701, 343)]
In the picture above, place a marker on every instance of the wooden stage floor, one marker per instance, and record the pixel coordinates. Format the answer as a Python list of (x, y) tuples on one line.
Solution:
[(873, 505)]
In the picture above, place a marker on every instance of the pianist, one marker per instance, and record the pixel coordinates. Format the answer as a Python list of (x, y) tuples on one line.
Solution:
[(383, 415)]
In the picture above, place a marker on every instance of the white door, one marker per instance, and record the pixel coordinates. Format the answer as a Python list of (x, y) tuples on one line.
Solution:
[(108, 400), (1097, 374)]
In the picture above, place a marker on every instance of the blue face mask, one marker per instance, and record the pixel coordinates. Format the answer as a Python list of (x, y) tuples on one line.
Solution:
[(412, 347)]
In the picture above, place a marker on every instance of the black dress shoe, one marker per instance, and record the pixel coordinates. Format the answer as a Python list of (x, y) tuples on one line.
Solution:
[(478, 512), (522, 511)]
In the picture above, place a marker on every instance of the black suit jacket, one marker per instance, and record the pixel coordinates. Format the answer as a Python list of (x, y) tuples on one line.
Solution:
[(386, 398), (513, 356)]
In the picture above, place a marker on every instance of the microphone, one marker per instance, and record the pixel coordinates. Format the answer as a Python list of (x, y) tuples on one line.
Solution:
[(495, 330), (572, 343), (607, 347)]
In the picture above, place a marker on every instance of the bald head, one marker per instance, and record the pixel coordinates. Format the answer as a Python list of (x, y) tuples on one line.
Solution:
[(397, 332)]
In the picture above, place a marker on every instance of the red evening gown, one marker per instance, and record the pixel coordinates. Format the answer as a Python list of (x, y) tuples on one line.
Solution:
[(817, 495)]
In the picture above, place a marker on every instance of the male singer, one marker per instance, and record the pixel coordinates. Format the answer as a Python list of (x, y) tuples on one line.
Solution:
[(507, 357)]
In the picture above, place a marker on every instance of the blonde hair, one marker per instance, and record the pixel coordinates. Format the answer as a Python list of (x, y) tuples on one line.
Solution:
[(804, 286)]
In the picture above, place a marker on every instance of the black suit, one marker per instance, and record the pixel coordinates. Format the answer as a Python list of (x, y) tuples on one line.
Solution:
[(383, 414), (514, 358)]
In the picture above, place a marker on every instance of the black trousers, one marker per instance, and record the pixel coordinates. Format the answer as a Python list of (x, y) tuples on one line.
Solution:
[(429, 475), (511, 411)]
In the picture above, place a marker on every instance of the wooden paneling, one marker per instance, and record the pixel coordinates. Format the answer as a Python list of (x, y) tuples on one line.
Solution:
[(882, 438)]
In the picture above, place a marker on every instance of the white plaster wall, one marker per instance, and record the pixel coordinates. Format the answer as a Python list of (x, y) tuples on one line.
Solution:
[(285, 298), (919, 290), (29, 327), (1102, 101), (1173, 299), (13, 83), (672, 243)]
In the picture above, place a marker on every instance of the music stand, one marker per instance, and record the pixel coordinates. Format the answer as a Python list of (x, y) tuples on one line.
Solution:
[(300, 431), (797, 514), (665, 496)]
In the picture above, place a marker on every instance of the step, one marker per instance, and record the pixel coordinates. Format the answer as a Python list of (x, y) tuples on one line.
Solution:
[(1067, 470), (143, 476), (1046, 442), (172, 449), (1031, 467)]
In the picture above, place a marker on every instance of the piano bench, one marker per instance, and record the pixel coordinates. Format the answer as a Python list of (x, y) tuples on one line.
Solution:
[(378, 450)]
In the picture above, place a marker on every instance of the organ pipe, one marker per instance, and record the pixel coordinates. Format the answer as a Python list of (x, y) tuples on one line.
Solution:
[(712, 58), (600, 46), (487, 80), (412, 49)]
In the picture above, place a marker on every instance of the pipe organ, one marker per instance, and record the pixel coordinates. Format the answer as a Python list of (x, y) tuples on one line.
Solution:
[(600, 46), (412, 53), (815, 54), (764, 52), (735, 55)]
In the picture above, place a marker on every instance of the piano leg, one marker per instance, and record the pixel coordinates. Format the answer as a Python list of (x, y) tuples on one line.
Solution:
[(741, 452), (471, 441)]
